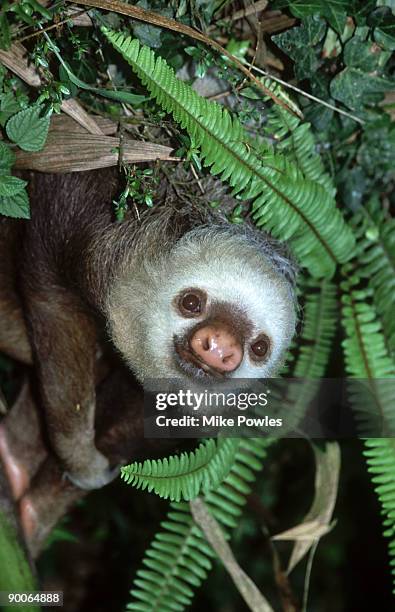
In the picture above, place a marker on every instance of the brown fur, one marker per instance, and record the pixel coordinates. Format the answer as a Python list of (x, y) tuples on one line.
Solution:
[(65, 264), (13, 335)]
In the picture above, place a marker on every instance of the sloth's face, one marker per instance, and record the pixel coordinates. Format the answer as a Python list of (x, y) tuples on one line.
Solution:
[(209, 310), (219, 341)]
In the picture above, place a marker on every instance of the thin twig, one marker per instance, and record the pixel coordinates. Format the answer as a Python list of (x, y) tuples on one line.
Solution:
[(221, 94), (253, 9), (304, 93), (212, 530), (195, 174), (52, 27)]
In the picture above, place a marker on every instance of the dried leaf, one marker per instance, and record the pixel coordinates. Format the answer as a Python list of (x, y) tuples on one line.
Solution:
[(82, 20), (317, 521), (74, 109), (65, 123), (310, 530), (74, 152), (15, 59)]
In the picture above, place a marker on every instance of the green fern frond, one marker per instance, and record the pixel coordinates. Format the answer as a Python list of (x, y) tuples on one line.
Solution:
[(319, 327), (366, 355), (375, 233), (281, 93), (179, 558), (366, 358), (294, 138), (186, 475), (313, 349), (288, 204), (380, 455)]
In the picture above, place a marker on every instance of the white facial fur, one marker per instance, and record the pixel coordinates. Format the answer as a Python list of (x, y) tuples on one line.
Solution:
[(143, 320)]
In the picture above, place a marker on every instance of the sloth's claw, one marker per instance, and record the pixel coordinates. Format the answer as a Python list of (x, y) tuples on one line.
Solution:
[(28, 517), (16, 472)]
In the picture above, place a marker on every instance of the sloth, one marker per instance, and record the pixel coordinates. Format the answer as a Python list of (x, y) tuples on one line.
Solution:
[(179, 291)]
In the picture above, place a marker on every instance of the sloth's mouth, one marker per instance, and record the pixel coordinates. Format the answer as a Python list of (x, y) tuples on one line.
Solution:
[(191, 364)]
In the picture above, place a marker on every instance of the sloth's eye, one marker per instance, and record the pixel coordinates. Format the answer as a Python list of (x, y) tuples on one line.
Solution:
[(192, 303), (260, 348)]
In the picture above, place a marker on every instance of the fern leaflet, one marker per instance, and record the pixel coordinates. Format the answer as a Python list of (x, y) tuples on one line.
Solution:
[(296, 139), (376, 257), (184, 476), (320, 317), (380, 455)]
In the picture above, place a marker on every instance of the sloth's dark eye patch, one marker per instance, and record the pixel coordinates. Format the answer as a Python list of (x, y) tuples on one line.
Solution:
[(260, 348), (192, 302)]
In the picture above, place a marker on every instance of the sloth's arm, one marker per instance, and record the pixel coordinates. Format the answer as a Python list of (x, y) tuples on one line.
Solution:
[(63, 336), (48, 497)]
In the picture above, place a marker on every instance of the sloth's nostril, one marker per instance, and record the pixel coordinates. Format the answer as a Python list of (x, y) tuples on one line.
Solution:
[(206, 344), (217, 347)]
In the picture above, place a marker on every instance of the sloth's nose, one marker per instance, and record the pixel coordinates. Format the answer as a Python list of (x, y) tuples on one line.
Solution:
[(217, 347)]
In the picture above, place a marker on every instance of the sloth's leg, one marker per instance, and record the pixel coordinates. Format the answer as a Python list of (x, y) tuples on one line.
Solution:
[(49, 499), (120, 427), (63, 336), (14, 340), (22, 448)]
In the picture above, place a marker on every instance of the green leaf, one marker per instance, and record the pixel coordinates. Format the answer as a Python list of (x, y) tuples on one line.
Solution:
[(319, 327), (384, 32), (28, 129), (7, 157), (299, 43), (354, 87), (10, 185), (336, 17), (16, 571), (40, 9), (334, 11), (5, 35), (9, 105), (364, 55), (238, 48), (377, 150), (148, 34), (16, 206), (360, 10)]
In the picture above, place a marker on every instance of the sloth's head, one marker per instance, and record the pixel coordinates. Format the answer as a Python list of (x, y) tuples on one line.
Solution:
[(217, 304)]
